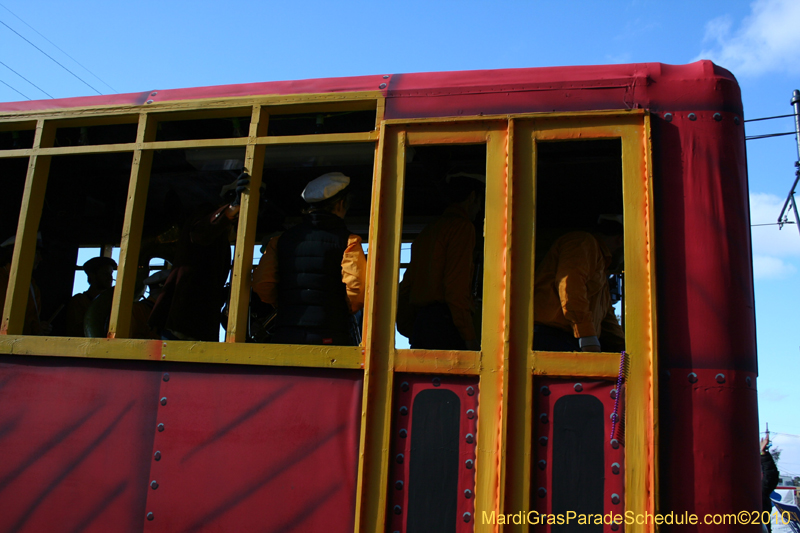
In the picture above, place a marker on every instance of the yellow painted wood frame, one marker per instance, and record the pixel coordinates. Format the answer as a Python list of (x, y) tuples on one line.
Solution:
[(383, 360), (641, 389), (118, 345)]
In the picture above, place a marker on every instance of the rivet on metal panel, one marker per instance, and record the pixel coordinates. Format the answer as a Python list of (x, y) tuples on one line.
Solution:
[(545, 391), (467, 517), (164, 400), (748, 381), (470, 391), (543, 441), (614, 526), (166, 376), (398, 509), (398, 485), (470, 413), (720, 378), (613, 417), (668, 117), (154, 484), (164, 345), (736, 120), (404, 410), (157, 456), (613, 394), (692, 377), (150, 516), (578, 387), (385, 77), (615, 444), (154, 93), (399, 458), (161, 427), (542, 464), (382, 86), (163, 356), (436, 382), (615, 468), (470, 438), (717, 117), (692, 117), (403, 433), (542, 492), (468, 494), (543, 418), (469, 464), (404, 386), (615, 499), (150, 102)]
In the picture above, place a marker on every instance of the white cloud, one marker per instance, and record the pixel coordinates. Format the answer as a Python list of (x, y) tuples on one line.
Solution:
[(765, 267), (766, 41), (770, 240)]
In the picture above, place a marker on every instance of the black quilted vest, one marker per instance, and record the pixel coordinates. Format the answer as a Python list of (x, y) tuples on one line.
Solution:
[(312, 299)]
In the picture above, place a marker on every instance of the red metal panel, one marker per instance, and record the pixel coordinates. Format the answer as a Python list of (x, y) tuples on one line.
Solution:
[(547, 391), (254, 449), (709, 445), (406, 388), (75, 441)]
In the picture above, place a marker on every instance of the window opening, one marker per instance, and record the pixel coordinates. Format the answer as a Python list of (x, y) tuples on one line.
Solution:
[(322, 122), (310, 284), (207, 128), (579, 238), (13, 172), (83, 213), (16, 140), (96, 135), (188, 235), (443, 219)]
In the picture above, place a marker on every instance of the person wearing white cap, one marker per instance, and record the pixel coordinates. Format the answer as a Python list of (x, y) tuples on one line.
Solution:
[(33, 325), (435, 304), (314, 272), (572, 309)]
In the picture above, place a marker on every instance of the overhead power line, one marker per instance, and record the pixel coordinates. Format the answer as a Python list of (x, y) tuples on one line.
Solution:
[(757, 119), (26, 79), (13, 89), (51, 57), (753, 137), (62, 51)]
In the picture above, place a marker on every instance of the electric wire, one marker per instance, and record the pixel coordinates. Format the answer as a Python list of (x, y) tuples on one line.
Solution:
[(51, 57), (773, 224), (757, 119), (753, 137), (13, 89), (26, 79), (59, 49)]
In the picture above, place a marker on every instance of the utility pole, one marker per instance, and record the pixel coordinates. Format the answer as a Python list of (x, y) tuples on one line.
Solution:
[(782, 219)]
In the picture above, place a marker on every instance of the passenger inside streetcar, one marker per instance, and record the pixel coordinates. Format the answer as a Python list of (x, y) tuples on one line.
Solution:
[(314, 273), (100, 276)]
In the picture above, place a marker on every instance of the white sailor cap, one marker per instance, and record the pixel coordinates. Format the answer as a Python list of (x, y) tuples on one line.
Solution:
[(325, 187)]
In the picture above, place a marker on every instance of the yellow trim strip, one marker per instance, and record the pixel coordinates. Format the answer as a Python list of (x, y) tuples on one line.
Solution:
[(292, 356), (575, 364), (438, 362)]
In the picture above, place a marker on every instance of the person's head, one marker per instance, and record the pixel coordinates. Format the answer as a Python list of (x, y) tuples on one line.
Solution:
[(467, 190), (100, 272), (612, 232), (329, 192)]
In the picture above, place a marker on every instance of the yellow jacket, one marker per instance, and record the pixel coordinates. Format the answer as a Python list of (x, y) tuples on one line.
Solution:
[(571, 287)]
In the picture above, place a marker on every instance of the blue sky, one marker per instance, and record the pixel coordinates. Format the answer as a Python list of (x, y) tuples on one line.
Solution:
[(136, 46)]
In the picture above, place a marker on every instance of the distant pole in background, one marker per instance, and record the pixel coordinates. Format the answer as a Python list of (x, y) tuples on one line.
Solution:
[(790, 199)]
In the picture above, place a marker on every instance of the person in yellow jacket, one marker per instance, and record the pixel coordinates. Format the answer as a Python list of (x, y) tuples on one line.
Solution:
[(572, 305), (435, 289)]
